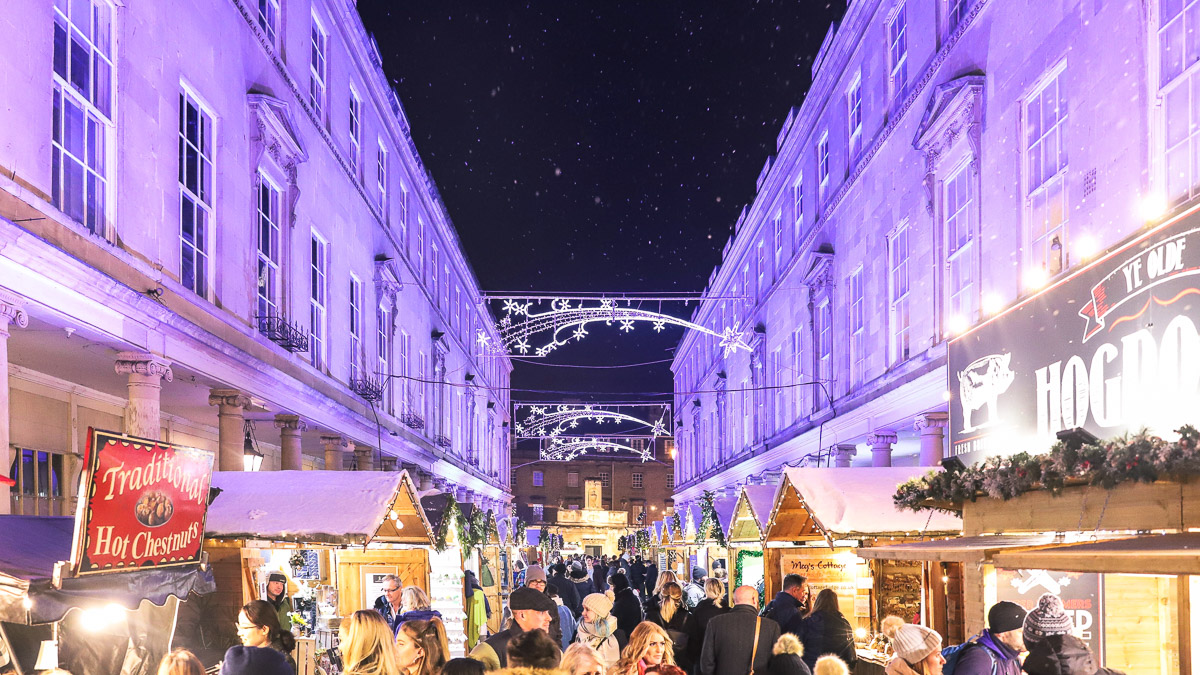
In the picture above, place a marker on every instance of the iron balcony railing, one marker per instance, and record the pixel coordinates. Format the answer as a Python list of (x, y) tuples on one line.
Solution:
[(367, 388), (291, 337)]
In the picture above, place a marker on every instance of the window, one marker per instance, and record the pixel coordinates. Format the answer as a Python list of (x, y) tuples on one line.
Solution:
[(956, 11), (797, 376), (420, 245), (898, 285), (269, 240), (435, 267), (538, 478), (897, 32), (512, 481), (798, 207), (381, 176), (318, 68), (405, 351), (604, 479), (402, 205), (670, 481), (857, 333), (824, 340), (763, 278), (318, 300), (1179, 80), (195, 192), (747, 430), (1046, 166), (356, 355), (355, 132), (383, 349), (572, 479), (268, 19), (539, 511), (823, 162), (777, 227), (39, 483), (637, 480), (958, 247), (639, 512), (83, 84), (854, 116)]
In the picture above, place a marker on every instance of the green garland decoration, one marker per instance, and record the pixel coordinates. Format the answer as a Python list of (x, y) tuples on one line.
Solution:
[(710, 525), (519, 528), (677, 525), (1142, 458), (453, 513), (742, 554), (642, 539)]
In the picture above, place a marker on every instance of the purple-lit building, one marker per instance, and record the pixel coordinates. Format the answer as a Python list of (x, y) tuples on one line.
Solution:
[(214, 213), (951, 158)]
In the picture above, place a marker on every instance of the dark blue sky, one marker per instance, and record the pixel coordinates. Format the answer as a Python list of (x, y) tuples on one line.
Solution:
[(598, 146)]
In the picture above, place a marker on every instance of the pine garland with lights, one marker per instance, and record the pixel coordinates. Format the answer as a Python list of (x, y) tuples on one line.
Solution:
[(677, 525), (737, 564), (710, 525), (453, 513), (519, 528), (1142, 458), (642, 539)]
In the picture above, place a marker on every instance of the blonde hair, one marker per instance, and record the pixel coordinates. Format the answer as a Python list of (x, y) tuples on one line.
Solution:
[(830, 665), (639, 644), (672, 600), (180, 662), (664, 578), (413, 597), (367, 644), (715, 590), (788, 644), (430, 636), (578, 656)]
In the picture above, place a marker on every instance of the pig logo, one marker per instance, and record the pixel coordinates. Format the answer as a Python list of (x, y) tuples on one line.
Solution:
[(980, 384)]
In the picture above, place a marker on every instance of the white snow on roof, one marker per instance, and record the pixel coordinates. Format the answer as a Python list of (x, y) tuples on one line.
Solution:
[(318, 506), (762, 500), (723, 507), (859, 500)]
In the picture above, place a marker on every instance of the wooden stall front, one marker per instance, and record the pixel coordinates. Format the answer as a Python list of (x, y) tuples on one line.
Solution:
[(822, 517), (708, 550), (744, 536)]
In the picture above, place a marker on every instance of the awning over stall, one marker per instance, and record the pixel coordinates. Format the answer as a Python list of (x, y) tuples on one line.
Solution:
[(751, 512), (1177, 553), (343, 508), (841, 503), (957, 549), (31, 545)]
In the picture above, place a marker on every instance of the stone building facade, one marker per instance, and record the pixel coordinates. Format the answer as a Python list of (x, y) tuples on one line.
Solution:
[(543, 489), (951, 158), (212, 214)]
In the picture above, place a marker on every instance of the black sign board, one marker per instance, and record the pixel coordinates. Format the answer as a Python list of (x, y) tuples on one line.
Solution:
[(1112, 348)]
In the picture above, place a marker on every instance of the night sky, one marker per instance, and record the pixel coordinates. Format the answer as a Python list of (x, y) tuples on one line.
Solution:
[(597, 146)]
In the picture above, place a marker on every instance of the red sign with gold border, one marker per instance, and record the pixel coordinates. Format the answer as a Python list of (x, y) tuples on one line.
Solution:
[(142, 504)]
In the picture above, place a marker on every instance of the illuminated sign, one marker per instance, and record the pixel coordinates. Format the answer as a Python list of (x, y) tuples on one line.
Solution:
[(142, 504)]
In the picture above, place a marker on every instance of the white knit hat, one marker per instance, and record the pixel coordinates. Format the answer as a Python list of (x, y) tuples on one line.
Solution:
[(913, 642)]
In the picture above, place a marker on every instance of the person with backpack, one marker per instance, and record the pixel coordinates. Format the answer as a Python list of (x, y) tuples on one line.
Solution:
[(693, 593), (995, 651)]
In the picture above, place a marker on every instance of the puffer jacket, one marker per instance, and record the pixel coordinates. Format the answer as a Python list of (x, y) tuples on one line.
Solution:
[(1061, 655)]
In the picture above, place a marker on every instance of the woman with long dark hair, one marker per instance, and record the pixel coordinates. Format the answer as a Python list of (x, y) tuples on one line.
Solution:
[(258, 626), (824, 630)]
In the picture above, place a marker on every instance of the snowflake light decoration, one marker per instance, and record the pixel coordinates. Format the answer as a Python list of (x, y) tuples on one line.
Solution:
[(566, 449), (567, 320), (543, 421)]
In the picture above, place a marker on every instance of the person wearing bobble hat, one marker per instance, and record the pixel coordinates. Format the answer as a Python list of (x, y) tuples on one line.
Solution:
[(1053, 650), (918, 650), (597, 629), (997, 650)]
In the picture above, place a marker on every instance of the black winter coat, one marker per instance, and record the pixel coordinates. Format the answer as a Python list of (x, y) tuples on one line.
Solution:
[(627, 610), (566, 592), (825, 633), (784, 610), (637, 576), (698, 626), (729, 643), (1061, 655), (679, 628), (600, 578), (584, 588)]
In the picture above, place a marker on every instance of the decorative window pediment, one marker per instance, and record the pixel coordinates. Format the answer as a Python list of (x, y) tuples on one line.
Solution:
[(276, 135), (954, 111), (387, 280), (820, 272)]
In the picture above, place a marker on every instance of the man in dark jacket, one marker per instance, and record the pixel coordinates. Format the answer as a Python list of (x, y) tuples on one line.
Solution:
[(997, 649), (792, 600), (566, 589), (531, 610), (637, 576), (627, 610), (651, 575), (729, 641)]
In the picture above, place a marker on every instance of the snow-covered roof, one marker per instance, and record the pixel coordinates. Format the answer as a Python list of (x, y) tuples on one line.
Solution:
[(762, 500), (843, 502), (669, 529), (316, 507), (502, 528), (655, 532)]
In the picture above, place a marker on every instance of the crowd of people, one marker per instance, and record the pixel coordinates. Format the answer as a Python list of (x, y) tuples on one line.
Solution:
[(620, 616)]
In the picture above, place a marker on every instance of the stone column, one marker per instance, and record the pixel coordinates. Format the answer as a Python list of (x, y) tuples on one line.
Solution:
[(335, 448), (426, 482), (291, 455), (932, 427), (363, 457), (387, 463), (12, 311), (881, 446), (146, 372), (842, 454), (231, 422)]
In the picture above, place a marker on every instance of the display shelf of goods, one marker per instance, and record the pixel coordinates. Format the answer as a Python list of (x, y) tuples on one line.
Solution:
[(900, 590), (446, 594)]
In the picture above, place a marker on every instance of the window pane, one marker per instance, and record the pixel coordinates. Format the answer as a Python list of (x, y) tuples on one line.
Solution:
[(73, 126), (80, 65), (73, 189), (60, 49)]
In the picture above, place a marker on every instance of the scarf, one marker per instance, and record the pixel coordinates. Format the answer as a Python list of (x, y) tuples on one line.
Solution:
[(599, 630)]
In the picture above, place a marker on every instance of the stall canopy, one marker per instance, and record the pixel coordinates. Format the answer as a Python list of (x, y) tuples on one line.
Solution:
[(503, 528), (957, 549), (1177, 553), (841, 503), (341, 508), (669, 535), (31, 545), (751, 513), (723, 507)]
